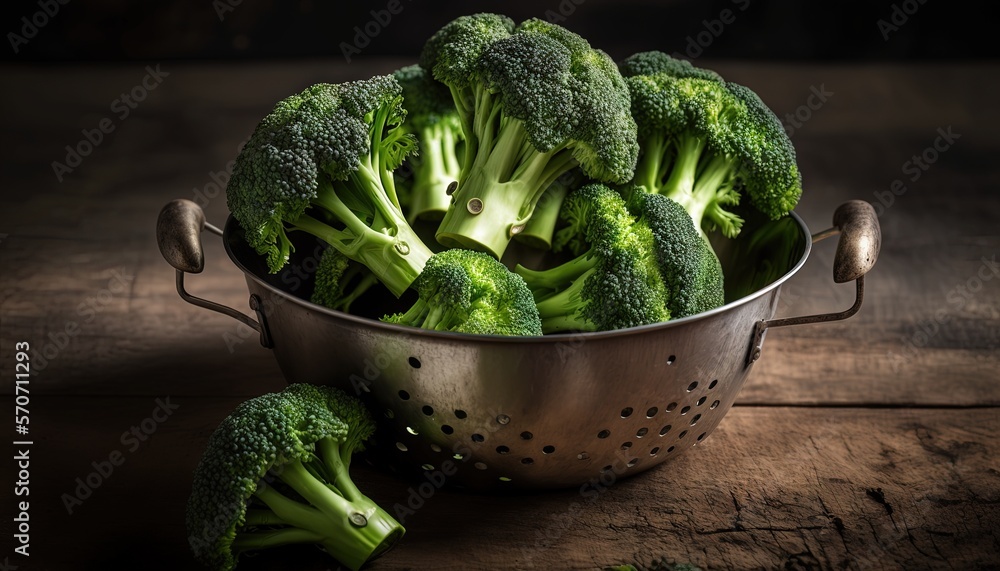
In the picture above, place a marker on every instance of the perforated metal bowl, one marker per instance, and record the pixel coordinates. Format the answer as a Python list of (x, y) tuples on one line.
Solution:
[(543, 412)]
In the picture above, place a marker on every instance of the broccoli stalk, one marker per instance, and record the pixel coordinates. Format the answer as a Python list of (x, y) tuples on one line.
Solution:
[(275, 472), (471, 292), (534, 103), (432, 118), (322, 163), (702, 182), (539, 230)]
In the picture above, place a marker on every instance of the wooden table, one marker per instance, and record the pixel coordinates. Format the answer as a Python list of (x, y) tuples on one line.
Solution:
[(870, 443)]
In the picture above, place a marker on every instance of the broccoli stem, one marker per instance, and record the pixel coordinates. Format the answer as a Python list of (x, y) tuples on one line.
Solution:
[(563, 311), (507, 176), (544, 283), (437, 168), (394, 253), (542, 224), (327, 518), (700, 181)]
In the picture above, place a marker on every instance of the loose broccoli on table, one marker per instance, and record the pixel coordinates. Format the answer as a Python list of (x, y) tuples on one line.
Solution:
[(471, 292), (275, 472), (632, 267), (340, 281), (322, 163), (706, 143), (534, 102), (432, 118)]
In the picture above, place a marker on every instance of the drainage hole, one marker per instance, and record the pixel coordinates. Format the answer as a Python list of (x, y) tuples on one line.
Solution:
[(461, 414), (692, 386), (651, 412), (427, 409), (548, 449), (502, 450), (404, 395), (626, 412), (527, 461), (477, 438), (447, 429), (642, 432), (414, 362), (604, 433)]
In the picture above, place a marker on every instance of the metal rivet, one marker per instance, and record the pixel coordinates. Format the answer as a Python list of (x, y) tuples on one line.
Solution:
[(515, 230), (475, 205), (452, 188), (254, 302), (503, 419), (358, 520), (402, 247)]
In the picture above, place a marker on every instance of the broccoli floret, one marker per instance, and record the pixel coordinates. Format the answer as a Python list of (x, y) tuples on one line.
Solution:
[(471, 292), (340, 281), (705, 143), (275, 472), (688, 265), (534, 102), (322, 162), (431, 116), (614, 280)]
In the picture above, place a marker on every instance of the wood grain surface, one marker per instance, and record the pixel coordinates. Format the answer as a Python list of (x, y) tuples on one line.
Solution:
[(865, 444)]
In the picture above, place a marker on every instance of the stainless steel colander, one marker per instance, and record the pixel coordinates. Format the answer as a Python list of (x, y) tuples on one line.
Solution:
[(542, 412)]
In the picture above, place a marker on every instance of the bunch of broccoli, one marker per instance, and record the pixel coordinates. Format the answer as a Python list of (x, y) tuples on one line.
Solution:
[(504, 131)]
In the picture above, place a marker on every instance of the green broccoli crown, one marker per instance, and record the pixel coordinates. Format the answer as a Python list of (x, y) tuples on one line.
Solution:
[(772, 179), (327, 287), (567, 94), (264, 434), (690, 270), (705, 143), (471, 292), (321, 162), (452, 53), (655, 62), (614, 282)]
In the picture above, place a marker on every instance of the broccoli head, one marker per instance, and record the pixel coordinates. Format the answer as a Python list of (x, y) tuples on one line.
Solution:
[(471, 292), (706, 143), (275, 472), (613, 282), (322, 162), (534, 102)]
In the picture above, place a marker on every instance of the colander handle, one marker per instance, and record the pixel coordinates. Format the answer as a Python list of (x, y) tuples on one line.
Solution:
[(178, 234), (857, 250)]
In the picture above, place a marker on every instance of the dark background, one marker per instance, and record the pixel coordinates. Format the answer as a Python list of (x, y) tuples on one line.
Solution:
[(116, 30)]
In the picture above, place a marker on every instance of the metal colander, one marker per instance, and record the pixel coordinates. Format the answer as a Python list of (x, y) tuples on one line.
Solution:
[(492, 412)]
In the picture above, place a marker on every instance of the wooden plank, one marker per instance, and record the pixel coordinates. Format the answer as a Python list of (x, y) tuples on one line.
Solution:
[(772, 488)]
